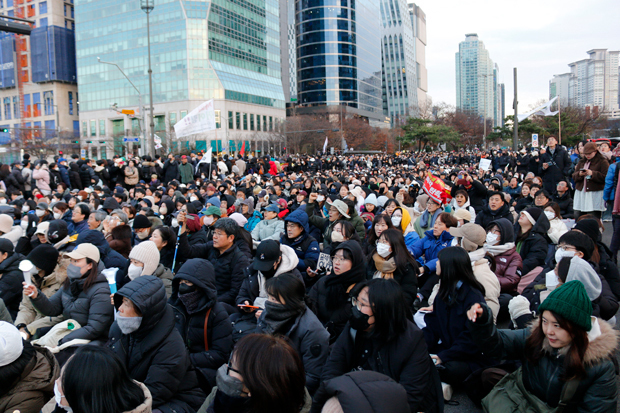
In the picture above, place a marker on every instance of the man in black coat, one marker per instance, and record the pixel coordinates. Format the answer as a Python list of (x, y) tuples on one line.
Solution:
[(564, 200), (229, 262), (154, 352), (11, 277), (194, 299), (171, 170), (554, 164), (496, 208), (87, 174)]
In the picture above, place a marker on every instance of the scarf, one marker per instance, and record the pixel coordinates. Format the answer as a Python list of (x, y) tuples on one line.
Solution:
[(277, 316), (385, 268), (191, 301), (426, 217), (496, 250), (338, 286), (476, 255)]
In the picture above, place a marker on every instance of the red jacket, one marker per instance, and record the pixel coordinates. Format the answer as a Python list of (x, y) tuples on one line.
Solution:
[(506, 266)]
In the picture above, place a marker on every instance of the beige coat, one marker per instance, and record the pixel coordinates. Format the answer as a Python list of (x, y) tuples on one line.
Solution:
[(49, 285)]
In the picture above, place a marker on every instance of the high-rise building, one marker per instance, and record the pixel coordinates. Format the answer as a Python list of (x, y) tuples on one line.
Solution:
[(418, 24), (398, 60), (591, 82), (338, 57), (476, 80), (228, 51), (38, 91), (288, 50)]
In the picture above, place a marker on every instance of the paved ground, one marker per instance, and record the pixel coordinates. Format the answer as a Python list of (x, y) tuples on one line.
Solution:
[(466, 406)]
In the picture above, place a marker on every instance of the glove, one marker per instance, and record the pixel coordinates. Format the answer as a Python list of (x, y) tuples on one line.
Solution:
[(518, 307)]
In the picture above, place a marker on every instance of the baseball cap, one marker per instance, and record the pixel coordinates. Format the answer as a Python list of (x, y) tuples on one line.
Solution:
[(42, 227), (85, 251), (267, 253), (6, 245), (272, 208)]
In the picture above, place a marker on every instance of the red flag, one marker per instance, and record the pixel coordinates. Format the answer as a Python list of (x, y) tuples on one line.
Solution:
[(242, 151), (436, 189)]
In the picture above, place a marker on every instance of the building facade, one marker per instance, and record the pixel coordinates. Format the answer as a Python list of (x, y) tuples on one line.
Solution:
[(477, 76), (338, 49), (418, 24), (591, 82), (228, 51), (38, 80)]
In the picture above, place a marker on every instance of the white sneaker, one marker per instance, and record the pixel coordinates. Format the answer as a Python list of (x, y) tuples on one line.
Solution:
[(447, 391)]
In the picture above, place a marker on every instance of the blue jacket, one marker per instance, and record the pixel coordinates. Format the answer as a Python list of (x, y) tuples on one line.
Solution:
[(429, 247), (609, 193), (305, 246), (64, 174), (253, 221)]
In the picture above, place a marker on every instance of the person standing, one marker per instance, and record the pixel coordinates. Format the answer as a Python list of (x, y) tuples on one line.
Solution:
[(589, 177), (554, 164)]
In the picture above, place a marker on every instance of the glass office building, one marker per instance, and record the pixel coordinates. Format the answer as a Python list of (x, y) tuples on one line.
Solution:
[(339, 55), (227, 50)]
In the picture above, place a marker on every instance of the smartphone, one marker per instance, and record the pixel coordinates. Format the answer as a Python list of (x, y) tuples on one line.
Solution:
[(252, 307)]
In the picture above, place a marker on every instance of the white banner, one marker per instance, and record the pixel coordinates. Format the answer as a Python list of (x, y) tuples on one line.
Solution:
[(542, 110), (201, 119), (325, 145), (205, 159)]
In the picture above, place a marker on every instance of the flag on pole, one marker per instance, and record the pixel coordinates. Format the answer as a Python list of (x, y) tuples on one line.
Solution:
[(542, 110), (242, 151), (205, 159), (325, 145)]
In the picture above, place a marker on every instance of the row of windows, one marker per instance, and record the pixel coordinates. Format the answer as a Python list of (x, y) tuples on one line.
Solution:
[(218, 47), (249, 121), (96, 128), (230, 34), (32, 105), (251, 7), (306, 4)]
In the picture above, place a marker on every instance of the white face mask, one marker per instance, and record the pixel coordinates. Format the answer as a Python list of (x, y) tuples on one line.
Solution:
[(492, 238), (383, 250), (561, 253), (39, 212), (320, 198), (163, 209), (57, 215), (142, 235), (550, 215), (24, 223), (396, 221), (337, 237), (193, 198), (2, 201), (175, 223), (58, 398), (134, 271), (25, 208)]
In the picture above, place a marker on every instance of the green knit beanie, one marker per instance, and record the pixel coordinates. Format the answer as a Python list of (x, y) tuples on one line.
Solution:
[(570, 301)]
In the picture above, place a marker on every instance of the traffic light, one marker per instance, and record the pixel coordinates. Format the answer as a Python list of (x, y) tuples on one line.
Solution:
[(5, 130), (76, 141), (60, 153)]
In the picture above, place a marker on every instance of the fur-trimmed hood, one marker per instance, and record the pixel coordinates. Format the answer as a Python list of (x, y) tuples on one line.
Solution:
[(603, 342)]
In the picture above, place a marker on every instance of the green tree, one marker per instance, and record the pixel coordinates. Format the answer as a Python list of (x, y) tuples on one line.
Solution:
[(422, 132)]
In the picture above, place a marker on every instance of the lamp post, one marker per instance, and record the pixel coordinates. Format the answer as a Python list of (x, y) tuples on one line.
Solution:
[(148, 6), (137, 90)]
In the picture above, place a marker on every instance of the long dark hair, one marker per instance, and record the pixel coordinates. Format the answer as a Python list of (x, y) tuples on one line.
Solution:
[(401, 255), (348, 230), (455, 266), (372, 236), (573, 361), (273, 373), (90, 277), (388, 307), (168, 235), (290, 288), (113, 391)]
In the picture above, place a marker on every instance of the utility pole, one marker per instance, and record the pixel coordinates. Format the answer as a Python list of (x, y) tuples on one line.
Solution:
[(515, 129), (148, 6)]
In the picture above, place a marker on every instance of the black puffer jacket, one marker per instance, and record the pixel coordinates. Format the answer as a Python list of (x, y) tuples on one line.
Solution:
[(191, 326), (110, 258), (404, 359), (486, 215), (534, 248), (86, 175), (90, 308), (11, 279), (229, 266), (155, 354)]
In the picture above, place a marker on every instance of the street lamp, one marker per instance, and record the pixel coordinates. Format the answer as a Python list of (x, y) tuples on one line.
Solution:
[(148, 6), (137, 90)]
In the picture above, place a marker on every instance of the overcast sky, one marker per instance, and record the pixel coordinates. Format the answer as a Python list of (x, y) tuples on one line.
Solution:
[(539, 38)]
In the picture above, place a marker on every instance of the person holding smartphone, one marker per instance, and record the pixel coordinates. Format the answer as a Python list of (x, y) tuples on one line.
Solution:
[(589, 177)]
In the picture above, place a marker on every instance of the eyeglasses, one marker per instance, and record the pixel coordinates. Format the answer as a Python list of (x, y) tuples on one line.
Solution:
[(291, 225), (359, 304), (338, 259)]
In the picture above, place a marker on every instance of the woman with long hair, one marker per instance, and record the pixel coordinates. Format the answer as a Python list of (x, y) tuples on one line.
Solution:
[(531, 238), (447, 337), (165, 239), (381, 337), (566, 350), (380, 223), (113, 391), (391, 260), (264, 374)]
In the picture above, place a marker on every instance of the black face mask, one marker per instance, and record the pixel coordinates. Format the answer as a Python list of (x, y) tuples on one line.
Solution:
[(185, 289), (359, 320), (269, 273)]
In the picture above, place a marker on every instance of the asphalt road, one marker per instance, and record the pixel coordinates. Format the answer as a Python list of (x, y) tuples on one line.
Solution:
[(466, 406)]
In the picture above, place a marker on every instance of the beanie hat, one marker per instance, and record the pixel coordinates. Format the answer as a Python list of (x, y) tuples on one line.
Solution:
[(382, 200), (533, 214), (589, 227), (371, 199), (239, 219), (140, 222), (6, 246), (570, 301), (44, 257), (214, 201), (147, 253), (11, 344), (6, 223), (422, 200)]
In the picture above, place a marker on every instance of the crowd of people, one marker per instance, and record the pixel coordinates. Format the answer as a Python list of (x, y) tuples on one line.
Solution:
[(327, 283)]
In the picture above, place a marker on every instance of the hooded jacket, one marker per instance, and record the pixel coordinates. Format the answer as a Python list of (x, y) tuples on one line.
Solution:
[(155, 354), (253, 287), (305, 246), (508, 263), (597, 391), (429, 247), (191, 326), (11, 279), (533, 249), (36, 382)]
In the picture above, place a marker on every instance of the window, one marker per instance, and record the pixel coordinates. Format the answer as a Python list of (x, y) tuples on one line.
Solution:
[(245, 121), (43, 22), (65, 11), (43, 7), (172, 116), (9, 3), (93, 128), (85, 128), (183, 114), (50, 129), (49, 102), (251, 121), (101, 127), (70, 103), (218, 119), (258, 123), (238, 120), (270, 123), (230, 120), (27, 107), (77, 102), (264, 123), (16, 109), (36, 104), (135, 127), (37, 129), (7, 108)]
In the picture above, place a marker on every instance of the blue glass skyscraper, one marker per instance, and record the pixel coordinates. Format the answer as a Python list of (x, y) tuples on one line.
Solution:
[(339, 55)]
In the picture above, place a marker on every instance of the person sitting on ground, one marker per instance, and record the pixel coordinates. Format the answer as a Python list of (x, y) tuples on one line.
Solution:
[(297, 236), (11, 277), (144, 337), (200, 316), (496, 208), (81, 213), (531, 238), (557, 226), (564, 200), (271, 227), (426, 221)]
